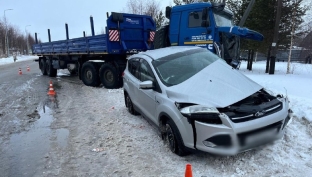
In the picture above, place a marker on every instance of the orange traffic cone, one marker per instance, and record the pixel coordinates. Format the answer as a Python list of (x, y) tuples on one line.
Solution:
[(28, 69), (188, 170), (20, 71), (51, 90)]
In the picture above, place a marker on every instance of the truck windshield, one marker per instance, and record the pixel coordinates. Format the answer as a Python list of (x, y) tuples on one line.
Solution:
[(223, 19)]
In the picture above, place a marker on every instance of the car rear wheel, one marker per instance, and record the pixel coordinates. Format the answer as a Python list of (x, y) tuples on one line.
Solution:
[(129, 105), (173, 139)]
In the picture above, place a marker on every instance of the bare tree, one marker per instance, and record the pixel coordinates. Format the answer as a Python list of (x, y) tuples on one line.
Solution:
[(17, 39), (146, 7)]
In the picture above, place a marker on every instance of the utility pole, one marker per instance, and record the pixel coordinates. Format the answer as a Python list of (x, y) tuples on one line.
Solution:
[(27, 50), (6, 40), (275, 37)]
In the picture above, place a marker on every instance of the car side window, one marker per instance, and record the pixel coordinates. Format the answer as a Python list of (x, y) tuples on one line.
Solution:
[(146, 72), (133, 67), (195, 19)]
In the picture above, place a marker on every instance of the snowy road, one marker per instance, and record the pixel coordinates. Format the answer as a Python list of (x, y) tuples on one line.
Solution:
[(82, 118)]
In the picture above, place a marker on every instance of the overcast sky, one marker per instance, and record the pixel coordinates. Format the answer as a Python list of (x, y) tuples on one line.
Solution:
[(53, 14)]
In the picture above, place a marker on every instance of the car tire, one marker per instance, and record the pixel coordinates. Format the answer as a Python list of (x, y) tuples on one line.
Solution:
[(51, 72), (109, 76), (173, 139), (129, 105), (42, 66), (90, 74)]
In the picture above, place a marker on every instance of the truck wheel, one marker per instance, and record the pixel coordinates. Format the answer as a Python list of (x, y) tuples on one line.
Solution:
[(161, 37), (90, 74), (173, 139), (49, 68), (109, 76), (42, 66)]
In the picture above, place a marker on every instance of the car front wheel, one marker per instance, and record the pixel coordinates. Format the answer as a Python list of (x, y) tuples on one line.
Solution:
[(173, 139)]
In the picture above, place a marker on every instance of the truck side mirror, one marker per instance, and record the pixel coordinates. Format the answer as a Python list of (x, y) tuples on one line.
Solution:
[(168, 12), (205, 14), (117, 17), (218, 6)]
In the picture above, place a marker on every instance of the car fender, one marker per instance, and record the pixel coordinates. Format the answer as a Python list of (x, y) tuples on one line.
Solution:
[(184, 127)]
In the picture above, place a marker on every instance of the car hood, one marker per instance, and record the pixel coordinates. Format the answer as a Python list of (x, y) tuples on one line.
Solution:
[(218, 85), (242, 32)]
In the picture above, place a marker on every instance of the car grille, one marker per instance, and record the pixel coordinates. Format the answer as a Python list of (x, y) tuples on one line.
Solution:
[(243, 117)]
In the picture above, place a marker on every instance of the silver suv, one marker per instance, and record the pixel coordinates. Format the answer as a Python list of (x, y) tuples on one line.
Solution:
[(198, 102)]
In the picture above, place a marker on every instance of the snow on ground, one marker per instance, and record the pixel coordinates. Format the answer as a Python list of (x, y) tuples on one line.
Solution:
[(4, 61), (297, 85)]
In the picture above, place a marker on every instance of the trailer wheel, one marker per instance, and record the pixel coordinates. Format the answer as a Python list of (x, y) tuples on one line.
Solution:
[(42, 66), (90, 74), (49, 68), (109, 76)]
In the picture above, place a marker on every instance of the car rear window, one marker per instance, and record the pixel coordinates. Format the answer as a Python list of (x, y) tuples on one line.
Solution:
[(176, 68)]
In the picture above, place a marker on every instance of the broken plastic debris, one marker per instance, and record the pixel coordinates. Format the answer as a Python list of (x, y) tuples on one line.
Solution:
[(98, 150)]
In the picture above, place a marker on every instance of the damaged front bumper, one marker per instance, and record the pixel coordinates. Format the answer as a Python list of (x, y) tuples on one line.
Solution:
[(230, 137)]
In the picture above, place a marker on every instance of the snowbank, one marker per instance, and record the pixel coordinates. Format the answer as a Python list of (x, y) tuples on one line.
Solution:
[(4, 61), (297, 85)]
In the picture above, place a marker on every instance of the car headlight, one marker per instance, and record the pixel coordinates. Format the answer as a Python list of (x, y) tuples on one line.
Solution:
[(198, 109), (202, 114)]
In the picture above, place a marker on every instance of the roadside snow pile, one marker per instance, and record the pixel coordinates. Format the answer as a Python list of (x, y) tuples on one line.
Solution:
[(297, 85), (4, 61)]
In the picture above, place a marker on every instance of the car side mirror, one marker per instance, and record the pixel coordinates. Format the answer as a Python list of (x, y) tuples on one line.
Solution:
[(146, 85)]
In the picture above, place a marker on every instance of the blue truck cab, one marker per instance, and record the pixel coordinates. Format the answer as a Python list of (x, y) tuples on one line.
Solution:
[(207, 25)]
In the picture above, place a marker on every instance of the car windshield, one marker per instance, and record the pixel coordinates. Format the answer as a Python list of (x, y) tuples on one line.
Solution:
[(223, 19), (176, 68)]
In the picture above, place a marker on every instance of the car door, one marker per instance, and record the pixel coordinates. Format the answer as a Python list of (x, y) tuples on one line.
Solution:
[(192, 33), (147, 97), (134, 79)]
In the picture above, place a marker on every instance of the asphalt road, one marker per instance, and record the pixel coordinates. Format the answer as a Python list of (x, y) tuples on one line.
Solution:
[(26, 112)]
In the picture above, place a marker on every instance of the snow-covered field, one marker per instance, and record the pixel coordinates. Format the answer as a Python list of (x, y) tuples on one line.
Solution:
[(297, 85)]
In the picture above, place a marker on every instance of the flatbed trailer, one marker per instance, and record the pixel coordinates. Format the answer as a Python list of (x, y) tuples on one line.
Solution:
[(99, 59)]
